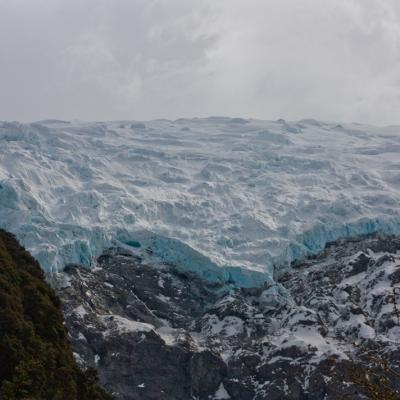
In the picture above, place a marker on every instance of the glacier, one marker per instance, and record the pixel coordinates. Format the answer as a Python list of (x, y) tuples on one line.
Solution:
[(231, 199)]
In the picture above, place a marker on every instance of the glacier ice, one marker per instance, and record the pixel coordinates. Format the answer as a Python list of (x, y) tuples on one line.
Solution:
[(228, 198)]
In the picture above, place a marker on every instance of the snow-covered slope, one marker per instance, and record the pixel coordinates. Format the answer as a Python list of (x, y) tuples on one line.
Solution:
[(224, 197)]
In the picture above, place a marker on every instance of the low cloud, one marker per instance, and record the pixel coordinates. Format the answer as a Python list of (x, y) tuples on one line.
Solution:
[(142, 59)]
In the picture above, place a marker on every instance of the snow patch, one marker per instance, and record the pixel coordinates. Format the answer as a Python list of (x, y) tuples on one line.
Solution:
[(80, 311), (124, 325), (221, 393)]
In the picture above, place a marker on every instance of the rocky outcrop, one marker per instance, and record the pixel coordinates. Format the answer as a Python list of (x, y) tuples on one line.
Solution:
[(155, 332)]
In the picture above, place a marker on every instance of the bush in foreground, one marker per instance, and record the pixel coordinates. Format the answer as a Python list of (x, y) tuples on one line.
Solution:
[(36, 360)]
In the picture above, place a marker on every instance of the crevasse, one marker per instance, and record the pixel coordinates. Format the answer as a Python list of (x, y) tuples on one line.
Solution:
[(229, 199)]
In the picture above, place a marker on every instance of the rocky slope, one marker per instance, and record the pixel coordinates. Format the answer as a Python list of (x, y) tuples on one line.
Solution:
[(156, 332)]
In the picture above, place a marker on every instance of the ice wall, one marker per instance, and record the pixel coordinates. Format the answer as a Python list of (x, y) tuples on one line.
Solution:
[(226, 198)]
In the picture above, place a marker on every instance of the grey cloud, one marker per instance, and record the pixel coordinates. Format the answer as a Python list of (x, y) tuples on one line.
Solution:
[(141, 59)]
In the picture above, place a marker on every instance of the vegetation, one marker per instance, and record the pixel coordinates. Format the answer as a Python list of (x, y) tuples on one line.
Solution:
[(36, 360), (378, 381)]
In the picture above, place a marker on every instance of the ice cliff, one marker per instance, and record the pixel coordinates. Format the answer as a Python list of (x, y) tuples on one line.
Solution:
[(228, 198)]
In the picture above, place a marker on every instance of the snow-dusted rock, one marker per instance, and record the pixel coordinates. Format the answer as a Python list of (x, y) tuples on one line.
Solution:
[(154, 332)]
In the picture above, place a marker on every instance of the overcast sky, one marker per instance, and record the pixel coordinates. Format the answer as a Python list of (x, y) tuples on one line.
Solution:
[(335, 60)]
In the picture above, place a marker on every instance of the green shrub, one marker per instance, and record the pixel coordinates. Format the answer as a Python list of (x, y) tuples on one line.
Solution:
[(36, 360)]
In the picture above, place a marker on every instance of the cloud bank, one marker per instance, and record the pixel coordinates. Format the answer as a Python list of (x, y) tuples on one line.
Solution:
[(142, 59)]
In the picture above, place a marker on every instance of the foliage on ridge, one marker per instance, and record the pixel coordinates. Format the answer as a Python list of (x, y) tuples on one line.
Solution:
[(36, 361)]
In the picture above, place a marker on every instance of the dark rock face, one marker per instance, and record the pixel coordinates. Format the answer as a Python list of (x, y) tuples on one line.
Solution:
[(207, 371), (154, 332)]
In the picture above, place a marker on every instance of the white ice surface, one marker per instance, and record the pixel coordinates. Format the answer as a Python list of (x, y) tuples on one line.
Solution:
[(220, 196)]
